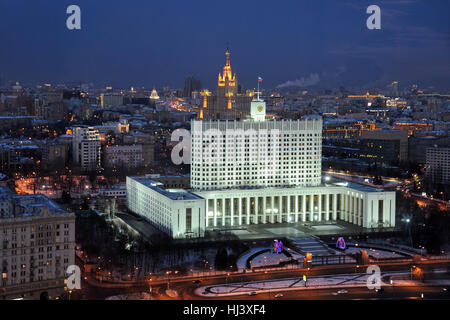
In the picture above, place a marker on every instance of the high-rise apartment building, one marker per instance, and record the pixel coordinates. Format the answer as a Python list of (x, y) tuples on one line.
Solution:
[(191, 84), (438, 165), (86, 147)]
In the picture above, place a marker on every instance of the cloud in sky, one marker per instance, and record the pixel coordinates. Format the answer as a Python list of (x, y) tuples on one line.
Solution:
[(310, 80)]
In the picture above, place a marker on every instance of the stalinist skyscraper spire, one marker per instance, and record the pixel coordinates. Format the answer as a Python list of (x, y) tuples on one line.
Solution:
[(227, 79), (226, 103)]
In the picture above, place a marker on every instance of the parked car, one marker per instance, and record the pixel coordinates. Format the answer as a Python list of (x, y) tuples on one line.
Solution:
[(342, 291), (279, 295), (196, 281), (253, 293)]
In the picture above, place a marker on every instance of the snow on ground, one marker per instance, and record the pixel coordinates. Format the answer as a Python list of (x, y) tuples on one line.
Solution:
[(375, 253), (338, 281), (172, 293), (241, 263), (325, 227), (285, 230), (134, 296), (269, 259), (240, 232), (266, 258), (310, 245)]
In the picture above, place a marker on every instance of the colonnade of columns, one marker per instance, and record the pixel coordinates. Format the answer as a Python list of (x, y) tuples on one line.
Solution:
[(231, 211)]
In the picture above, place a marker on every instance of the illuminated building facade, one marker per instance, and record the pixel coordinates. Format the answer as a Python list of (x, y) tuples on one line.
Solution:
[(232, 153), (412, 127), (241, 188), (227, 103), (38, 244), (177, 212), (86, 147), (111, 99), (154, 95), (346, 128)]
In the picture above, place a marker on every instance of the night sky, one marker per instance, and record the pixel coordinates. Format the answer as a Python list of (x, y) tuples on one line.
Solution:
[(157, 43)]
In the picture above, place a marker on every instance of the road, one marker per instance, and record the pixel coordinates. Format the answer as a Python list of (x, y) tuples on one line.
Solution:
[(406, 292), (185, 287)]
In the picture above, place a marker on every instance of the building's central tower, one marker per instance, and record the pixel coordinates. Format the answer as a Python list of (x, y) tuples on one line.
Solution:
[(227, 103)]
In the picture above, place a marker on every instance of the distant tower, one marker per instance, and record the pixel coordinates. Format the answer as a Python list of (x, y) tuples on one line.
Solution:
[(154, 95), (394, 86), (227, 82), (191, 84), (227, 103)]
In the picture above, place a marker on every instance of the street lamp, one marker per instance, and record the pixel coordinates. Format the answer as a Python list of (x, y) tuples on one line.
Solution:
[(168, 279), (411, 270)]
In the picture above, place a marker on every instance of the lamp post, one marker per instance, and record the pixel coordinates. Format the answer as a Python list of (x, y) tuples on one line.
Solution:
[(412, 270), (168, 279)]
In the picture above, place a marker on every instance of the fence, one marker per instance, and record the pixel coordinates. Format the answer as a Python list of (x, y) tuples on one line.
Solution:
[(316, 261), (332, 260)]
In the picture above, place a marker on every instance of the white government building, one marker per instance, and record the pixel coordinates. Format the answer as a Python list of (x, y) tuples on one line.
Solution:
[(257, 171)]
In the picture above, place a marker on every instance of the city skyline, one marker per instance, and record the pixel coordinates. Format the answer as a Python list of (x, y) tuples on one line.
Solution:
[(294, 45), (195, 152)]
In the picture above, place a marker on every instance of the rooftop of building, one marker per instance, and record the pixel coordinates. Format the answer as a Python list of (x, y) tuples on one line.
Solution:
[(332, 182), (32, 205), (173, 194), (352, 185), (167, 176)]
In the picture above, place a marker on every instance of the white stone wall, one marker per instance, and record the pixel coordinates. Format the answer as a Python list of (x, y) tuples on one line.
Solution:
[(296, 205), (255, 153), (167, 214)]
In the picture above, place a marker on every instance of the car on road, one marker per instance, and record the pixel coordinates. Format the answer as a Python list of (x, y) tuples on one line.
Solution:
[(381, 290), (342, 291), (253, 293), (279, 295), (196, 281)]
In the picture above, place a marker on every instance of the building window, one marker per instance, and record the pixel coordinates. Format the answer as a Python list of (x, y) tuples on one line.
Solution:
[(188, 219)]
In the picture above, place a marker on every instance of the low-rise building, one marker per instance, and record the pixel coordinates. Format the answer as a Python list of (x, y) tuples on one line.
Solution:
[(186, 213), (127, 156)]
